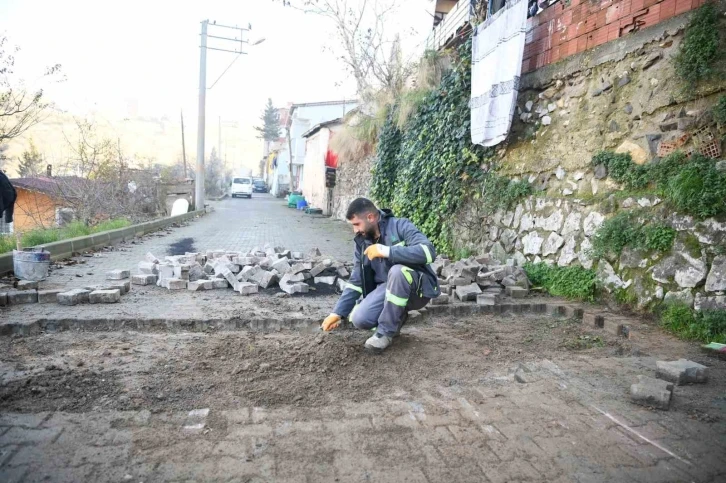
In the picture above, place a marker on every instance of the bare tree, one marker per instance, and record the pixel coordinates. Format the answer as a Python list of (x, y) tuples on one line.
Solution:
[(20, 108), (96, 182), (369, 51)]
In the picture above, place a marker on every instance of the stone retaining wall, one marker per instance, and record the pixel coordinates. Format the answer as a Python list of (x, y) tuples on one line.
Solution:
[(560, 231)]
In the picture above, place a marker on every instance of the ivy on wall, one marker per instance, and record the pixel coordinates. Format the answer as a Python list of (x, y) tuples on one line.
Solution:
[(426, 170)]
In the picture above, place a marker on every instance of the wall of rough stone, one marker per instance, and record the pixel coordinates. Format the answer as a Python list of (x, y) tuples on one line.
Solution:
[(353, 181), (559, 231), (623, 96)]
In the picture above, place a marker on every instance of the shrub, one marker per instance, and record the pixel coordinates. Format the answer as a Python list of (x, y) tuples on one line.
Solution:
[(692, 185), (501, 192), (615, 234), (706, 326), (658, 237), (697, 188), (699, 49), (570, 282), (622, 169), (626, 230), (719, 111)]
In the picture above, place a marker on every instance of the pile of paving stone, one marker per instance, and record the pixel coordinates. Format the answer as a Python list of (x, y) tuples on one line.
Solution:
[(245, 272), (479, 279), (658, 392)]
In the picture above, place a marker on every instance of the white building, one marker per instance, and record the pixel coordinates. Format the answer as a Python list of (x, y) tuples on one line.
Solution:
[(304, 117), (277, 157), (320, 165)]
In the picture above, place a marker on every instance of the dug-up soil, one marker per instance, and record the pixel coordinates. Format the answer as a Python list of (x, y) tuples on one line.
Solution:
[(80, 372)]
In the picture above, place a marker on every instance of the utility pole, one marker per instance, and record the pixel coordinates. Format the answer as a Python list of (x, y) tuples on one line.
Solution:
[(199, 179), (199, 188), (184, 148)]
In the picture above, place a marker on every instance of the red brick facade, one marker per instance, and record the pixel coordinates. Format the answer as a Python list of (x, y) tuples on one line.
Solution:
[(561, 31)]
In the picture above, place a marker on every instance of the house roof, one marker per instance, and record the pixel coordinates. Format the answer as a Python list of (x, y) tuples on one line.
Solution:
[(317, 104), (318, 127), (49, 186)]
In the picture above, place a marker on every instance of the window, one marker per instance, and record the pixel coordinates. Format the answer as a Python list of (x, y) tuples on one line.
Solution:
[(241, 181)]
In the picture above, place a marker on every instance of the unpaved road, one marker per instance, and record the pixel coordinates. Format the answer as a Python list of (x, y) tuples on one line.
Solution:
[(441, 405)]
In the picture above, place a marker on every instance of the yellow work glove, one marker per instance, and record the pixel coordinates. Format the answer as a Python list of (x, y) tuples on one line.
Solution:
[(331, 322), (377, 251)]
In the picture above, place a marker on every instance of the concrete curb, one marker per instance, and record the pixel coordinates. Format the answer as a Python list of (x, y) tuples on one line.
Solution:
[(610, 323), (112, 324), (66, 248)]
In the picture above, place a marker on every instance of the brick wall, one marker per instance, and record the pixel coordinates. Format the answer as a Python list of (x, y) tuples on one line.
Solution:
[(561, 31)]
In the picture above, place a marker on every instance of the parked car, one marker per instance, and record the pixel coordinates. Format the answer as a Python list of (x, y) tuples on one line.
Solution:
[(242, 187), (259, 186)]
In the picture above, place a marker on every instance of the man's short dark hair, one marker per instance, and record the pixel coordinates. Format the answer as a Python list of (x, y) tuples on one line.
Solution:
[(360, 206)]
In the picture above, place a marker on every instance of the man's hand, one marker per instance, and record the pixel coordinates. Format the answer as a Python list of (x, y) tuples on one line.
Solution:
[(331, 322), (377, 251)]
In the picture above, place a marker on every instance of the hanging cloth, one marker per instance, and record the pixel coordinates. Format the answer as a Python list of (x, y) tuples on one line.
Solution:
[(496, 65)]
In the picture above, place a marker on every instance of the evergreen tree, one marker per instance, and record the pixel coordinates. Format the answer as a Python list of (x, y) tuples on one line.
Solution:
[(31, 162), (270, 129)]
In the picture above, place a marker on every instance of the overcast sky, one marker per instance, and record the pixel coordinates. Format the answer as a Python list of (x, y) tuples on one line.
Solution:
[(141, 58)]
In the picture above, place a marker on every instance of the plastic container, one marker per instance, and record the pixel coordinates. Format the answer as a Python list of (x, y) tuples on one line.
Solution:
[(293, 199), (302, 204), (31, 264)]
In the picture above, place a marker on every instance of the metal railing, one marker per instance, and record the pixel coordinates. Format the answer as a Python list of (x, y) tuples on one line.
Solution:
[(446, 29)]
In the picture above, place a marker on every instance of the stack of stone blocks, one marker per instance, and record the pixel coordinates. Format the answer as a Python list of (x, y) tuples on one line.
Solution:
[(479, 279), (245, 272)]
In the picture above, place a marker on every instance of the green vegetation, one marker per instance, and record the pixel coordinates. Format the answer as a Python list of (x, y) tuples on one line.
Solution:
[(626, 230), (72, 230), (705, 326), (427, 169), (570, 282), (691, 185), (622, 169), (501, 192), (696, 187), (719, 111), (699, 50), (584, 342)]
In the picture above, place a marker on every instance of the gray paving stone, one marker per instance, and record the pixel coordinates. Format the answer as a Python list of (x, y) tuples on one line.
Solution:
[(648, 391), (681, 372), (118, 274), (27, 285), (144, 279), (48, 296), (22, 297), (105, 296), (74, 297)]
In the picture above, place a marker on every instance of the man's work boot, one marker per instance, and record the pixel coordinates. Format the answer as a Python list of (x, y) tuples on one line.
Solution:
[(378, 343)]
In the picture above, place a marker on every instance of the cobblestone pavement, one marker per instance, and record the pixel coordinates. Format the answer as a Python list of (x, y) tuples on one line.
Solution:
[(236, 224), (442, 406)]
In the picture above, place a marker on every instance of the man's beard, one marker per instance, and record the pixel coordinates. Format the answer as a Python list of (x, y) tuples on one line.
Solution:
[(369, 232)]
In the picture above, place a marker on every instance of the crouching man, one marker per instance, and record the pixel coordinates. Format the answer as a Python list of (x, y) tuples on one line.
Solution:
[(391, 274)]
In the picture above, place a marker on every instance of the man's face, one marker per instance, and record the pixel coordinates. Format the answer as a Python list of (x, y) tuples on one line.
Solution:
[(365, 225)]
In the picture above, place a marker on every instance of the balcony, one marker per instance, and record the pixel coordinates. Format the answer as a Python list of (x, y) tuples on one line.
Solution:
[(447, 28)]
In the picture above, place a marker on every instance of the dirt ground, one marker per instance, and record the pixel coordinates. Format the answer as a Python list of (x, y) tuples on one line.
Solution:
[(314, 378)]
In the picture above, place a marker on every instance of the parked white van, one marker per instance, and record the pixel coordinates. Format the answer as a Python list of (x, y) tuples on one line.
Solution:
[(242, 187)]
